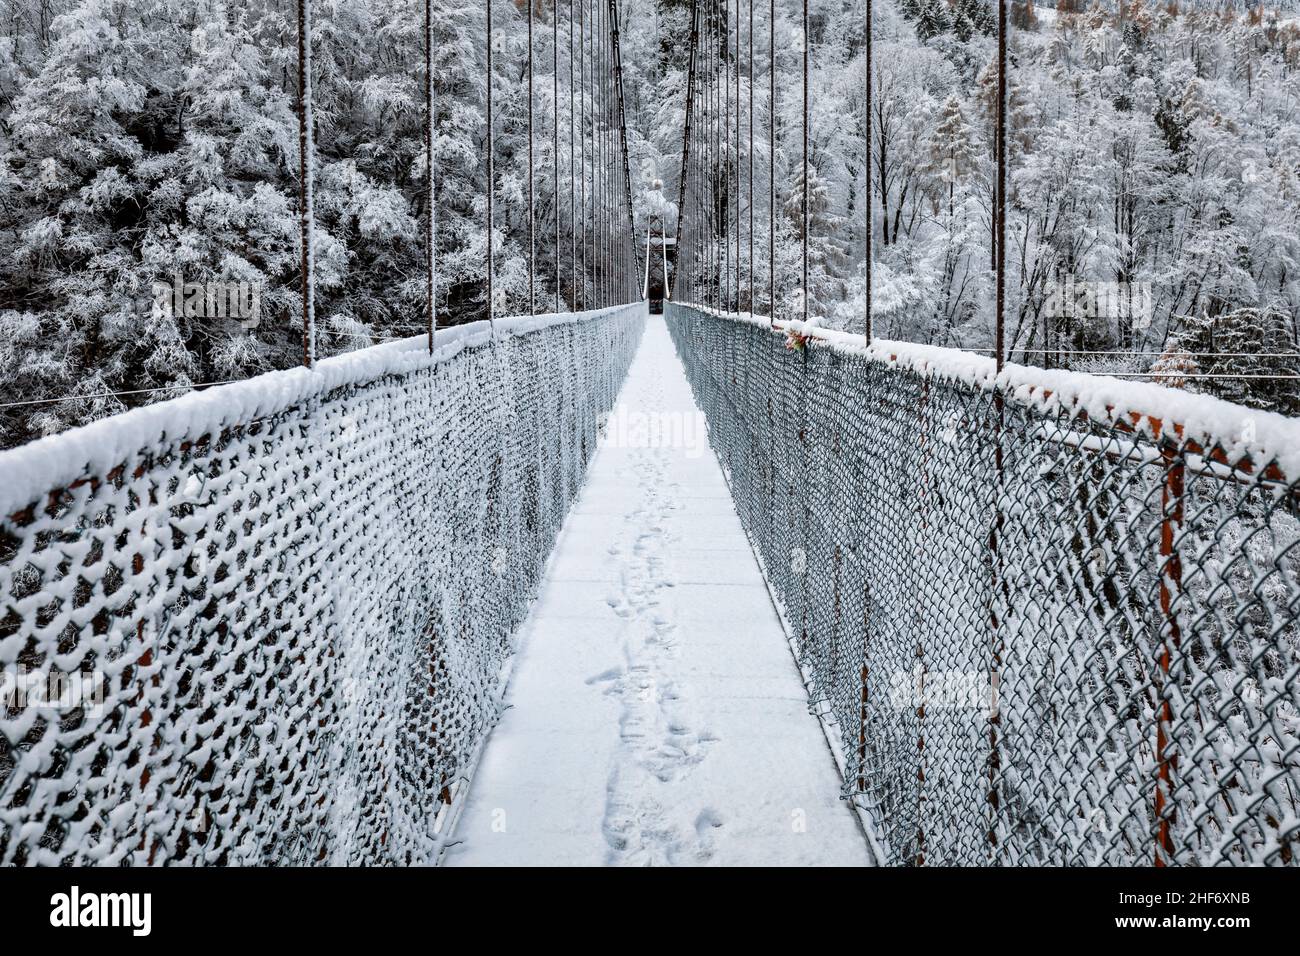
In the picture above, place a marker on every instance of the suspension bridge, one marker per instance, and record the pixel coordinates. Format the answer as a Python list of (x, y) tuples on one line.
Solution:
[(598, 586)]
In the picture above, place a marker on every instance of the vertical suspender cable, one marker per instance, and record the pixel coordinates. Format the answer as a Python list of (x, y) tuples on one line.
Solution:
[(602, 121), (715, 173), (605, 156), (598, 165), (431, 227), (603, 37), (606, 127), (625, 186), (532, 209), (701, 166), (611, 180), (710, 274), (706, 161), (804, 197), (725, 101), (693, 196), (609, 163), (645, 276), (663, 252), (704, 220), (689, 270), (598, 80), (600, 77), (710, 182), (719, 151), (866, 156), (306, 184), (735, 77), (686, 152), (751, 157), (1000, 195), (582, 120), (555, 137), (771, 161), (597, 155), (999, 355), (610, 289), (573, 181), (598, 89), (491, 181), (735, 156), (698, 224)]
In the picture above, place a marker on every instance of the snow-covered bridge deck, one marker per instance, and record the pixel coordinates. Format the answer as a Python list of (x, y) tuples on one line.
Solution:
[(655, 714)]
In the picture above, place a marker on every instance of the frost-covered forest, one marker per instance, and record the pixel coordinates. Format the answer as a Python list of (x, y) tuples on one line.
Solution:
[(1157, 157), (157, 140), (147, 141)]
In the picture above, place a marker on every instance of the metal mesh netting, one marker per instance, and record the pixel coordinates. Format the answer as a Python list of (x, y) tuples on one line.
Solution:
[(297, 624), (1044, 636)]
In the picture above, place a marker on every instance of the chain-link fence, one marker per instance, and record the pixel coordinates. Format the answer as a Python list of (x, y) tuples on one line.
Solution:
[(278, 612), (1055, 618)]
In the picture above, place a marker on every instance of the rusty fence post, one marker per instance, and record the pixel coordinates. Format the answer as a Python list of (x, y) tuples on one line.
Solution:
[(1171, 583)]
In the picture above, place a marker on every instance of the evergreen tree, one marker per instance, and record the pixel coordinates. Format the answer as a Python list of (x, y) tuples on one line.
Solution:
[(953, 154)]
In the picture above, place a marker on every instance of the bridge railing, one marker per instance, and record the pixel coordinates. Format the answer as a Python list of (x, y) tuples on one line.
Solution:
[(267, 623), (1050, 617)]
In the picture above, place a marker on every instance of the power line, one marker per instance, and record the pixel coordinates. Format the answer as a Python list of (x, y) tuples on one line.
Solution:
[(134, 391), (1184, 375), (1122, 352)]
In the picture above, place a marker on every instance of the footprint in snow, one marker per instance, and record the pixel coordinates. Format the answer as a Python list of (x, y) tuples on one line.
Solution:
[(613, 674)]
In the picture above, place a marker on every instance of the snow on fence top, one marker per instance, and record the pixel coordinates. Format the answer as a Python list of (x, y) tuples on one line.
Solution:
[(267, 623), (28, 472), (1241, 436), (1054, 617)]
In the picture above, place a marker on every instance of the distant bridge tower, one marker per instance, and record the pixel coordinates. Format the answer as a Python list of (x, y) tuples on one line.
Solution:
[(654, 282)]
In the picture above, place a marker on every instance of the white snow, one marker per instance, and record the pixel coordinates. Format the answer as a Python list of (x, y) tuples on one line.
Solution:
[(655, 714), (29, 472), (1145, 406)]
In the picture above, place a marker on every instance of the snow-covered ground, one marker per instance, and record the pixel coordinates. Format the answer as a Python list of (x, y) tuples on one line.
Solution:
[(655, 715)]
